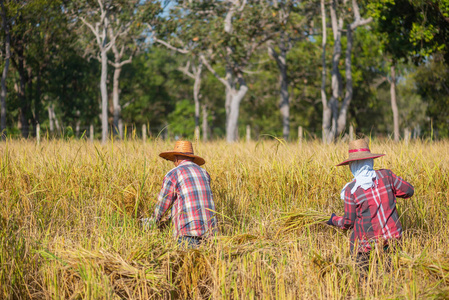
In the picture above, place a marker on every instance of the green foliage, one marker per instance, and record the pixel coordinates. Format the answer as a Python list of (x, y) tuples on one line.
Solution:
[(431, 82), (154, 92), (412, 29), (181, 120)]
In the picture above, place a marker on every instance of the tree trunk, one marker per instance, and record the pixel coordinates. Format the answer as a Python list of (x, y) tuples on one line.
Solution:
[(5, 73), (22, 97), (284, 101), (335, 73), (394, 105), (229, 93), (104, 96), (341, 122), (233, 116), (78, 123), (116, 98), (285, 105), (50, 118), (196, 98), (327, 113), (103, 84), (205, 125), (37, 100)]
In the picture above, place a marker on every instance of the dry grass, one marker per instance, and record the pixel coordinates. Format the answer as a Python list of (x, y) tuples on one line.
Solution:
[(69, 224)]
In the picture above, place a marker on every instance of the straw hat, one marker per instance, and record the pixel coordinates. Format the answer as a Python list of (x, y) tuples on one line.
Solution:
[(359, 150), (183, 148)]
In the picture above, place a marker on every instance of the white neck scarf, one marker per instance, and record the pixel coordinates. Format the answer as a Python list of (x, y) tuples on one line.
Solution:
[(363, 174)]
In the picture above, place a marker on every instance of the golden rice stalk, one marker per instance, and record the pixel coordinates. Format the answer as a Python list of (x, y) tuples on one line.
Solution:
[(124, 275), (291, 221), (438, 268)]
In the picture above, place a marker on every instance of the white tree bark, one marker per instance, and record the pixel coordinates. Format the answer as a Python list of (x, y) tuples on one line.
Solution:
[(100, 31), (394, 105), (234, 83), (118, 65), (205, 124), (197, 69), (233, 117), (336, 80), (234, 94), (327, 113), (104, 95), (50, 118), (196, 97)]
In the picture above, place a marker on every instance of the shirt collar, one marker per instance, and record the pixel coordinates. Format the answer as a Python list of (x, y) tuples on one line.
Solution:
[(184, 162)]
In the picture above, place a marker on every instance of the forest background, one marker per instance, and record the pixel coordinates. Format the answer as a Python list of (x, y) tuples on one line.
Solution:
[(210, 68)]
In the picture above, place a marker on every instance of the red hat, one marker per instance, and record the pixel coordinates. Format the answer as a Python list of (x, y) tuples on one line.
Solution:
[(359, 150)]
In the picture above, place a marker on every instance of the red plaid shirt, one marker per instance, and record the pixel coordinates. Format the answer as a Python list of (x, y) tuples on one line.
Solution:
[(372, 212), (187, 188)]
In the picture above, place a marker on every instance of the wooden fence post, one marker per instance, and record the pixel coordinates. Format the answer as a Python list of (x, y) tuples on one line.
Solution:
[(197, 133), (300, 135), (351, 132), (406, 135), (91, 134), (38, 133), (248, 133), (144, 132), (120, 128)]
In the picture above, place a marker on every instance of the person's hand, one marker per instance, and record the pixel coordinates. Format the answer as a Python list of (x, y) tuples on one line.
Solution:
[(147, 223), (330, 220)]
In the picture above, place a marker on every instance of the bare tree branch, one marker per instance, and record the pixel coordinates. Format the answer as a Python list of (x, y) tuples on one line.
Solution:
[(185, 70), (208, 66), (169, 46)]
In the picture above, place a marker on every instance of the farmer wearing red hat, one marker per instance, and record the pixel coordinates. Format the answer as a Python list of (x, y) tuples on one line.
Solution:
[(370, 203), (186, 190)]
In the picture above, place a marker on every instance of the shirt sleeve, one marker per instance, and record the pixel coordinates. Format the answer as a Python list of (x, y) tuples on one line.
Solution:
[(401, 188), (348, 219), (166, 197)]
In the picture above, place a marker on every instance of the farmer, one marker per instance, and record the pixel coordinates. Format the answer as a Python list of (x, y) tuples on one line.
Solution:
[(370, 203), (186, 190)]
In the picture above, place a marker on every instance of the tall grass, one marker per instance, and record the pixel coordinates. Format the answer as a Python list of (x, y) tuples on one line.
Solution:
[(70, 210)]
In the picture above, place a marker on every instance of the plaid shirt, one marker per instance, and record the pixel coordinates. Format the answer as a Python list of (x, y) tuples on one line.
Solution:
[(372, 212), (187, 189)]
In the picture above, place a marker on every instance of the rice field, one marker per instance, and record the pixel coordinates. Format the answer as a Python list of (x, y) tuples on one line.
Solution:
[(70, 229)]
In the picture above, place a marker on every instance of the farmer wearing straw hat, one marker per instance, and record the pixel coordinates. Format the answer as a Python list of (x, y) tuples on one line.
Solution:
[(370, 202), (186, 189)]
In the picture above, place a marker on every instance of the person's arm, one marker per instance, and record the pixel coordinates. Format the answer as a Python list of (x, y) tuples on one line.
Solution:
[(401, 188), (166, 197), (348, 219)]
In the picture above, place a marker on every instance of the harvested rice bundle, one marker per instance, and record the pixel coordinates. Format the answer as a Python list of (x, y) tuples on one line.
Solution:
[(291, 221)]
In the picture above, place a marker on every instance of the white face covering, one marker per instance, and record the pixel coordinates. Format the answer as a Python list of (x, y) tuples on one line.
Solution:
[(363, 174)]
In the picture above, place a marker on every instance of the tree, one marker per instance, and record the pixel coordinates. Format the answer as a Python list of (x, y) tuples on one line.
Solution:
[(237, 30), (195, 74), (125, 32), (96, 17), (193, 67), (410, 29), (291, 29), (431, 82), (334, 115), (3, 93)]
